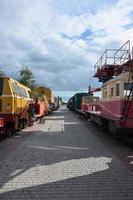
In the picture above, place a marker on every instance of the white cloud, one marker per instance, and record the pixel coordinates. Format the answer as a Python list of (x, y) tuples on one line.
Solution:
[(49, 37)]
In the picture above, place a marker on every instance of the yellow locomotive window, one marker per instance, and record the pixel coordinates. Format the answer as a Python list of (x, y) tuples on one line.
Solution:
[(1, 86), (22, 92), (19, 91), (26, 94), (15, 89)]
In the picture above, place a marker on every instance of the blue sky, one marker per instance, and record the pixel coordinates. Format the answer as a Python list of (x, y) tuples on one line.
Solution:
[(61, 40)]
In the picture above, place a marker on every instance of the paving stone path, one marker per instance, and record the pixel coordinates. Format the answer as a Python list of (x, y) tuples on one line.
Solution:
[(63, 157)]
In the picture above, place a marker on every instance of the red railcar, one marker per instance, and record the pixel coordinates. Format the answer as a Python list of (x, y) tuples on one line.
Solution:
[(114, 111)]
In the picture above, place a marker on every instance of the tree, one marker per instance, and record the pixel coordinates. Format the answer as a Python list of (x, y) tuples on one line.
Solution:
[(27, 77), (1, 72)]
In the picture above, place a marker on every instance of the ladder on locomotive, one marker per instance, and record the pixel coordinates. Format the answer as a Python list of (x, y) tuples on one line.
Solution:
[(128, 102)]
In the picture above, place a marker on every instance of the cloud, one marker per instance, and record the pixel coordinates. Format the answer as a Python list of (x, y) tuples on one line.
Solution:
[(61, 41)]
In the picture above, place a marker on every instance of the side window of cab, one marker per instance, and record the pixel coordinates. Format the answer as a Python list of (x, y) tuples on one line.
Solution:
[(127, 88), (15, 89), (112, 92), (105, 93), (117, 89)]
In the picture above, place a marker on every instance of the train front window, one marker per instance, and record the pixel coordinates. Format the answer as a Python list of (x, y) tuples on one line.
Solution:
[(1, 86), (127, 87)]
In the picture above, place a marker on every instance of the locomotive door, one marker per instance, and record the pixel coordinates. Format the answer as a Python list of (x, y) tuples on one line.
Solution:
[(16, 105)]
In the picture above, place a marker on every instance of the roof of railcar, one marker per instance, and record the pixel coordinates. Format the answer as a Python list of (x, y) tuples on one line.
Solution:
[(117, 78), (7, 77)]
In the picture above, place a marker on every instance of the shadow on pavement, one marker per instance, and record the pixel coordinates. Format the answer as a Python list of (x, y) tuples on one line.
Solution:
[(72, 164), (98, 186)]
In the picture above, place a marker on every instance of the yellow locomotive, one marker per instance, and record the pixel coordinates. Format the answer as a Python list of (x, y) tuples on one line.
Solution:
[(41, 102), (49, 96), (16, 106)]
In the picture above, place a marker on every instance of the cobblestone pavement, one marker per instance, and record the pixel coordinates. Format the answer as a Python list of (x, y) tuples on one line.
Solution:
[(64, 157)]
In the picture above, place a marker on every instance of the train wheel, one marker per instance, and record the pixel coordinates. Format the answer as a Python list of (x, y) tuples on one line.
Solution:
[(100, 123), (116, 135), (10, 129), (31, 121), (113, 129), (20, 126), (24, 123), (8, 132)]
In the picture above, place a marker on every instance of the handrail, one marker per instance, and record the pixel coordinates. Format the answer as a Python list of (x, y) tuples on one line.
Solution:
[(107, 58), (122, 54), (115, 57)]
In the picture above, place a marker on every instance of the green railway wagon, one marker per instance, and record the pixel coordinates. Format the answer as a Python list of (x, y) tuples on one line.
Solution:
[(78, 100), (75, 102), (71, 103)]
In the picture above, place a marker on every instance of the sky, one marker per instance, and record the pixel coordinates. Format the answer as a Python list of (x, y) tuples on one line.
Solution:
[(61, 40)]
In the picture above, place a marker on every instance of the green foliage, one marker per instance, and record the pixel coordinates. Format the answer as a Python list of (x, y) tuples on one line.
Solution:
[(27, 77)]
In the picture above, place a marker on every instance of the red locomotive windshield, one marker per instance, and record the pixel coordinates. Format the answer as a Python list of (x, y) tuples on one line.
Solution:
[(1, 86)]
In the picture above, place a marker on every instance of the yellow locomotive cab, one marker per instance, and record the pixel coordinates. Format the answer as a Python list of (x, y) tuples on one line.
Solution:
[(14, 102)]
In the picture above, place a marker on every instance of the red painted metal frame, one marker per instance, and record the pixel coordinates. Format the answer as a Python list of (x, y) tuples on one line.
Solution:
[(112, 62)]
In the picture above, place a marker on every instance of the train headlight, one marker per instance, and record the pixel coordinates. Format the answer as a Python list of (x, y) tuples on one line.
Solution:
[(8, 107)]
